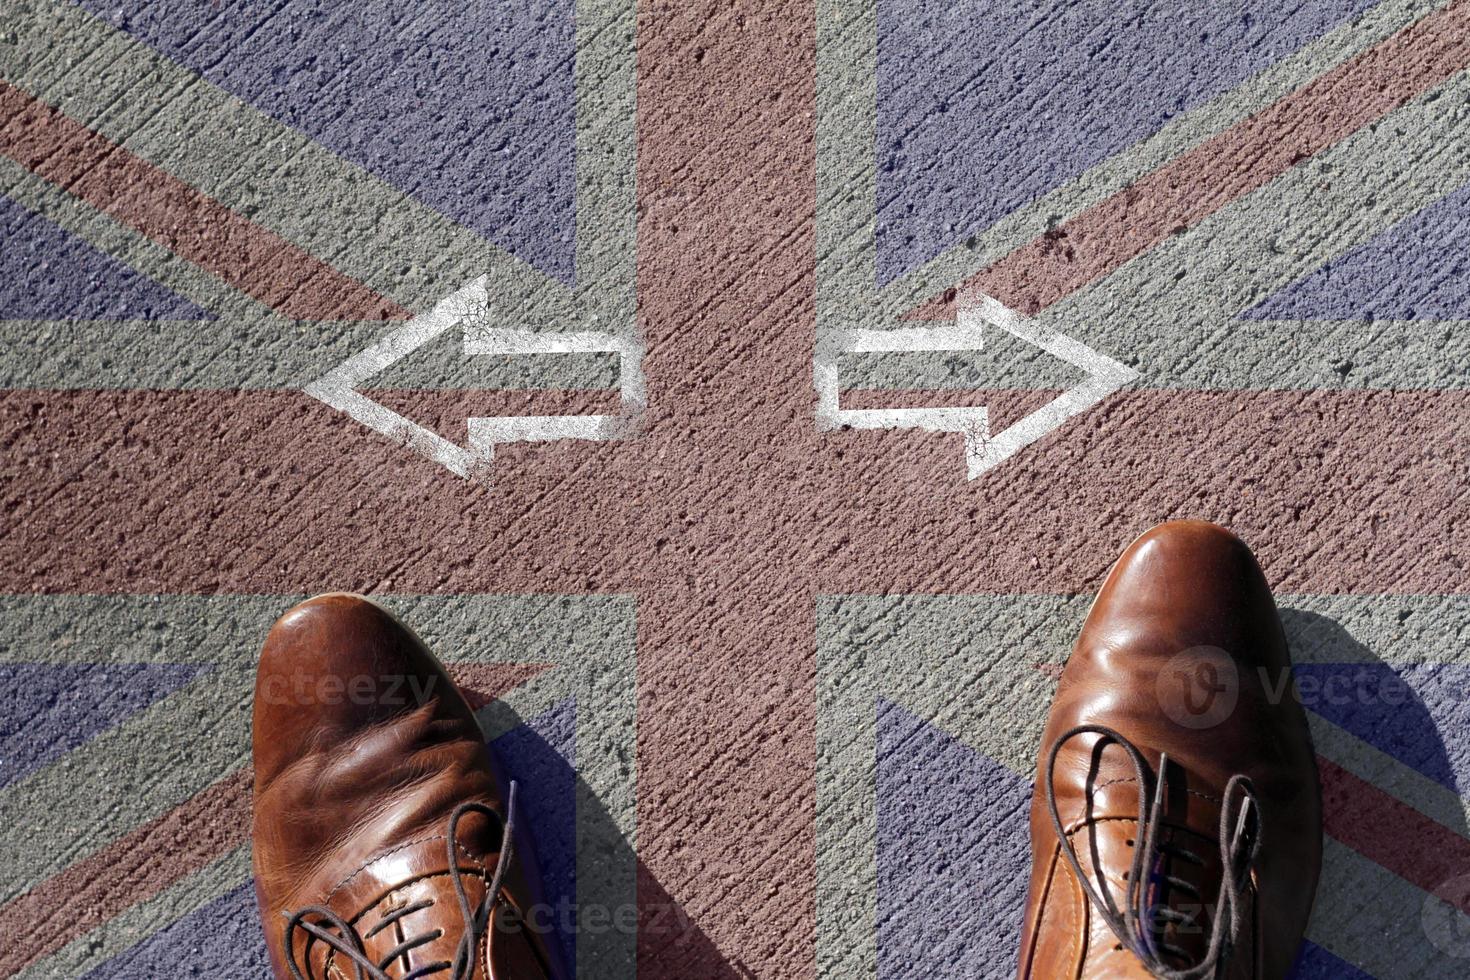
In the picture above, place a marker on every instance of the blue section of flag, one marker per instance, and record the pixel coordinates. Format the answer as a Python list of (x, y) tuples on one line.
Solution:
[(468, 107), (1415, 269), (222, 940), (46, 710), (47, 273), (1413, 713), (953, 854), (541, 755), (1315, 963), (985, 105)]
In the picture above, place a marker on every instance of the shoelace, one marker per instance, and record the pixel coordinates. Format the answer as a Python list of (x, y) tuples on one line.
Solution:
[(1138, 922), (343, 938)]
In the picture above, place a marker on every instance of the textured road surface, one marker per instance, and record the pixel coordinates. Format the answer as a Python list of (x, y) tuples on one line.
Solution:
[(772, 668)]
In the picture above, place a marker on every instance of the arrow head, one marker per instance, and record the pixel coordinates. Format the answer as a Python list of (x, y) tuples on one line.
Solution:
[(983, 450), (468, 307)]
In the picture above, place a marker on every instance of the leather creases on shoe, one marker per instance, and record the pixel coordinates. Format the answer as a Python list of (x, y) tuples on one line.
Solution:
[(1145, 916), (323, 925)]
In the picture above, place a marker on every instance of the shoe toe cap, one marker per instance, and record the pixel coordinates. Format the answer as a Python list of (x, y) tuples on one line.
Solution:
[(334, 666), (1184, 585)]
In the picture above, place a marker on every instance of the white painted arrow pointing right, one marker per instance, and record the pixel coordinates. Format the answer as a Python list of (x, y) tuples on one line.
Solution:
[(983, 450)]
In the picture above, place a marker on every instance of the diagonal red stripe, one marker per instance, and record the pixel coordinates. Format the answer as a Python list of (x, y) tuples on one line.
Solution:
[(1389, 832), (1243, 158), (482, 683), (130, 870), (180, 218)]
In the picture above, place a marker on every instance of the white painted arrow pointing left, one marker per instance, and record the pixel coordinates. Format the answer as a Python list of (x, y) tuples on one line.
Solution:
[(466, 306)]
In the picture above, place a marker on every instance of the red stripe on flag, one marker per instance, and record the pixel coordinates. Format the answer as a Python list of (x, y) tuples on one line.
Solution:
[(1389, 832), (179, 217), (1243, 158), (130, 870), (193, 491), (482, 683)]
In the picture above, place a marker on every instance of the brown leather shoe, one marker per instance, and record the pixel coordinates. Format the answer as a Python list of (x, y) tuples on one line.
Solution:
[(1176, 822), (380, 837)]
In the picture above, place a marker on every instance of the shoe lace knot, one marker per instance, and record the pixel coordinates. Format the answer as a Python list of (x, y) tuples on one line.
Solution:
[(324, 925), (1144, 916)]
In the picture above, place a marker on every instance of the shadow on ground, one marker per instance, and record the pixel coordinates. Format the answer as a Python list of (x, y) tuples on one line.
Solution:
[(1416, 715)]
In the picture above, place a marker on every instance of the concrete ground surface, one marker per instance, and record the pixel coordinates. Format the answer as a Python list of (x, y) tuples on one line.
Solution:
[(635, 354)]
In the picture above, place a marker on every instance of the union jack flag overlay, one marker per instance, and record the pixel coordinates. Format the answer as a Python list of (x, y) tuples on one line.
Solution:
[(745, 399)]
